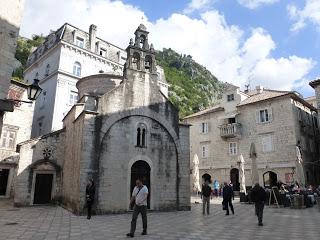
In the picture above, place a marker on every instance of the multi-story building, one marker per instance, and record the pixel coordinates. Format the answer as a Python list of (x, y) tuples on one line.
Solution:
[(10, 20), (66, 56), (16, 129), (275, 121)]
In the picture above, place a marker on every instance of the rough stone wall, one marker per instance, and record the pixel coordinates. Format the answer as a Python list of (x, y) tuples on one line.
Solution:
[(71, 167), (10, 19), (119, 152), (31, 153)]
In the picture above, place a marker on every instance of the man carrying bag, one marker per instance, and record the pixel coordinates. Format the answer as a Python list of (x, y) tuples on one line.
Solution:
[(139, 203)]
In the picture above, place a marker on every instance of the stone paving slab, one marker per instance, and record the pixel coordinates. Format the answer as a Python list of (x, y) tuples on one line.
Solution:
[(50, 222)]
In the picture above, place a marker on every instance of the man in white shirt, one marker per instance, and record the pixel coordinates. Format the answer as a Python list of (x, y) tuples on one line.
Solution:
[(139, 196)]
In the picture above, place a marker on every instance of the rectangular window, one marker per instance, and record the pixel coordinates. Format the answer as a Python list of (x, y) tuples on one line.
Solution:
[(230, 97), (73, 98), (79, 42), (8, 138), (267, 144), (204, 127), (204, 151), (233, 148), (103, 52), (264, 116)]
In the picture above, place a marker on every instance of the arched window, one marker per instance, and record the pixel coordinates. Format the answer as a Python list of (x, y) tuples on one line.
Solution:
[(77, 69), (142, 40), (148, 63), (141, 135), (47, 70), (138, 137), (136, 61)]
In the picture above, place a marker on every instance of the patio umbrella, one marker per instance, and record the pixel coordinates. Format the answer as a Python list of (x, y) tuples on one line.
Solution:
[(195, 175), (299, 167), (254, 167), (242, 175)]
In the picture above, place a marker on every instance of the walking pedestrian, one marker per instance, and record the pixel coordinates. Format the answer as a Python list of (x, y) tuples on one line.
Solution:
[(139, 202), (227, 198), (90, 192), (206, 194), (258, 196)]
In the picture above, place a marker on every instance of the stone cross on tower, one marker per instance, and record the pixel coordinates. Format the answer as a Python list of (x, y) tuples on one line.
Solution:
[(141, 55)]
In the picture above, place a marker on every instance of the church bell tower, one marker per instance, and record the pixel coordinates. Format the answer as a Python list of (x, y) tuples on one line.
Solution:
[(141, 55)]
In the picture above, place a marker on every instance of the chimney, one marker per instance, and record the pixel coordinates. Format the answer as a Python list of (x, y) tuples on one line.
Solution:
[(92, 37), (259, 88)]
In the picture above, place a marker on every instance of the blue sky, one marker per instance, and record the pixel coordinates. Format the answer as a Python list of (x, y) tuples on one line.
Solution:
[(274, 43)]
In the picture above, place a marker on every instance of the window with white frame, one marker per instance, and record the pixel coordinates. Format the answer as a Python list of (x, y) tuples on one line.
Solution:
[(230, 97), (264, 116), (79, 42), (8, 138), (204, 151), (103, 52), (73, 98), (267, 143), (233, 148), (204, 127), (77, 69)]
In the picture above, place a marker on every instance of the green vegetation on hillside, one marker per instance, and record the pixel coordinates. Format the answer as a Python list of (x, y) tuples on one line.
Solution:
[(24, 48), (193, 87)]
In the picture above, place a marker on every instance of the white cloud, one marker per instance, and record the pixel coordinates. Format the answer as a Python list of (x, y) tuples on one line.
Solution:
[(221, 47), (197, 5), (252, 4), (310, 13)]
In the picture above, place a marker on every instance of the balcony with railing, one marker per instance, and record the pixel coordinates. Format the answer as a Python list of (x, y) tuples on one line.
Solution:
[(230, 130)]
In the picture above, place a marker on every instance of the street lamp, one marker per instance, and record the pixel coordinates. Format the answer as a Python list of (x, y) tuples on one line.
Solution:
[(34, 90)]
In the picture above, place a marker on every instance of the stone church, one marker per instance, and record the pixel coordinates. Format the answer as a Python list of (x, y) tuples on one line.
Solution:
[(122, 128)]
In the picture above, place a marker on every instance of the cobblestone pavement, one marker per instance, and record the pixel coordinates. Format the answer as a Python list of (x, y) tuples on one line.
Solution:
[(49, 222)]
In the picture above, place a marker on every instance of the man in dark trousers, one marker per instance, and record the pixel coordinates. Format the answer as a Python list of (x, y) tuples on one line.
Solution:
[(139, 198), (90, 192), (227, 198), (258, 196), (206, 195)]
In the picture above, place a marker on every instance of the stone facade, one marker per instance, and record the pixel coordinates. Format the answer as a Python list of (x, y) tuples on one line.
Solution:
[(16, 128), (66, 56), (275, 121), (122, 127), (10, 20)]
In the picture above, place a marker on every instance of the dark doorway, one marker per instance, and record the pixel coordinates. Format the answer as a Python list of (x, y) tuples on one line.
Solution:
[(270, 179), (43, 189), (206, 177), (4, 174), (234, 179), (141, 169)]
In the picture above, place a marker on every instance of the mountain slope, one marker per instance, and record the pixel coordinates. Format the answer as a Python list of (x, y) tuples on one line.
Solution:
[(193, 87)]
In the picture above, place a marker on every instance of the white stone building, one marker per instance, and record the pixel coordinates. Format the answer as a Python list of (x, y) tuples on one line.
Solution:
[(275, 121), (66, 56), (122, 128), (16, 129)]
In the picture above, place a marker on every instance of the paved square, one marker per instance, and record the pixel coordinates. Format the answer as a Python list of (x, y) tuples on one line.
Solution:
[(57, 223)]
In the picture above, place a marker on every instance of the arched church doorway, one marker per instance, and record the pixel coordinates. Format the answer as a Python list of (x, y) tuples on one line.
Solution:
[(270, 179), (206, 177), (234, 179), (141, 169), (43, 188)]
